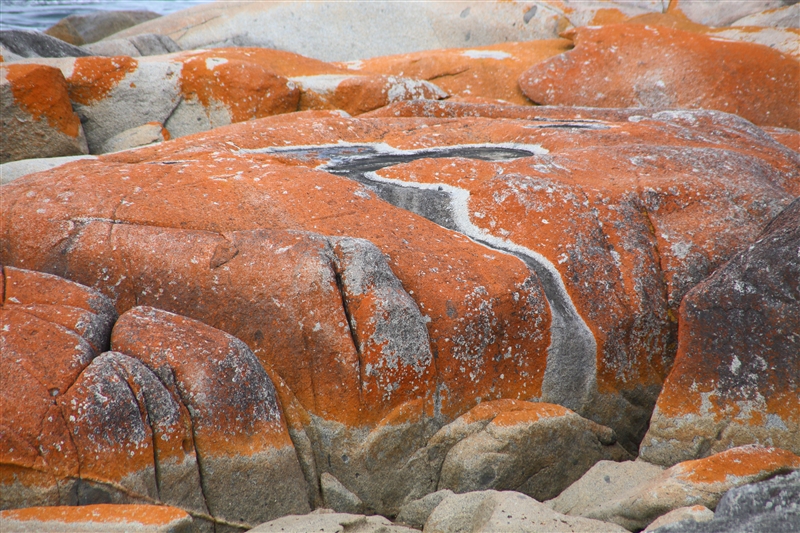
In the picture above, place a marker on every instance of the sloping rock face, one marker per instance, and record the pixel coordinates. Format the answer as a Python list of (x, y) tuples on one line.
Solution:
[(491, 511), (36, 115), (474, 74), (91, 27), (537, 449), (651, 64), (29, 43), (603, 482), (701, 481), (389, 273), (326, 31), (100, 518), (736, 375), (771, 505)]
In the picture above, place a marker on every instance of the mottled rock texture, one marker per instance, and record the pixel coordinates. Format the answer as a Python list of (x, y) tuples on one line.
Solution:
[(697, 482), (100, 518), (390, 273), (772, 505), (631, 65), (490, 511), (736, 375), (91, 27), (36, 115)]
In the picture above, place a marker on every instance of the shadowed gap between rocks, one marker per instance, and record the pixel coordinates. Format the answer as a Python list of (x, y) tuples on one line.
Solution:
[(570, 375)]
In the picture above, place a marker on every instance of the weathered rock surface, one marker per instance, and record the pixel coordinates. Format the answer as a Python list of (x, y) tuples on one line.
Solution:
[(415, 513), (376, 338), (736, 376), (359, 94), (537, 449), (17, 169), (492, 512), (192, 421), (651, 66), (709, 13), (343, 32), (779, 17), (605, 481), (91, 27), (772, 505), (52, 329), (36, 115), (146, 44), (149, 133), (29, 43), (328, 521), (488, 72), (695, 513), (698, 482), (249, 470), (99, 518)]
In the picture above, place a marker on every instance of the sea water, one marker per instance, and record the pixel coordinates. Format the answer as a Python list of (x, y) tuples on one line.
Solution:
[(41, 14)]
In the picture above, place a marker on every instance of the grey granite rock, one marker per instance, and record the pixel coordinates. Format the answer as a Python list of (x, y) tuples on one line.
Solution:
[(416, 513), (29, 43)]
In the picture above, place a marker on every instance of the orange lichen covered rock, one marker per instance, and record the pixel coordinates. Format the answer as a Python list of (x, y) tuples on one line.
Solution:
[(36, 114), (736, 374), (420, 264), (630, 65), (236, 425), (110, 518), (699, 482), (483, 72), (51, 330), (219, 91)]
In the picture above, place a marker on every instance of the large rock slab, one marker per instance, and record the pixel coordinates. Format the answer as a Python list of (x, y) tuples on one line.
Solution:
[(735, 379), (709, 12), (780, 17), (100, 518), (536, 449), (91, 27), (698, 482), (339, 267), (490, 511), (603, 482), (29, 43), (37, 117), (335, 31), (146, 44), (772, 505), (487, 72), (17, 169), (328, 521), (651, 65)]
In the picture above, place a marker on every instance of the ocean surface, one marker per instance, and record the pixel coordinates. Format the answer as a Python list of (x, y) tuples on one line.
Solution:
[(41, 14)]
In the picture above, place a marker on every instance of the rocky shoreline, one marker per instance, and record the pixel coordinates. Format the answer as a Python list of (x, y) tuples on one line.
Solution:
[(488, 267)]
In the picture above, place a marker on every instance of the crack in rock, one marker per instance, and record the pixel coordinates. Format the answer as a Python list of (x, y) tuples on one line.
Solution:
[(570, 377)]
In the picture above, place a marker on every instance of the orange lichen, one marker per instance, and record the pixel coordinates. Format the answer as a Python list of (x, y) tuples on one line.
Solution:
[(530, 414), (607, 16), (42, 91), (146, 515), (94, 77), (246, 89), (742, 462)]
